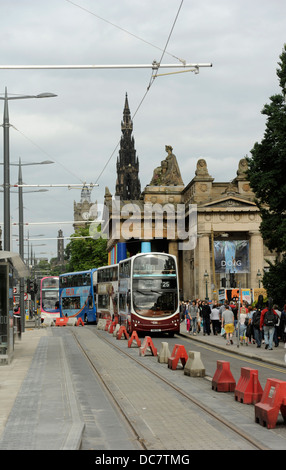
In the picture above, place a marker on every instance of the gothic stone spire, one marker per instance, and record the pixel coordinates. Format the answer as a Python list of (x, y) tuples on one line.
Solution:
[(128, 185)]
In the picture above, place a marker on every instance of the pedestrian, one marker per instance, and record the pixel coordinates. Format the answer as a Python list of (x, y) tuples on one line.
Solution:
[(188, 318), (249, 325), (199, 304), (283, 325), (215, 320), (242, 325), (205, 313), (227, 322), (234, 308), (194, 316), (256, 322), (277, 327), (268, 321)]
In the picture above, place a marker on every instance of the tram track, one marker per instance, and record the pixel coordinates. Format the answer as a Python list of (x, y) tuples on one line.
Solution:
[(106, 385), (221, 420)]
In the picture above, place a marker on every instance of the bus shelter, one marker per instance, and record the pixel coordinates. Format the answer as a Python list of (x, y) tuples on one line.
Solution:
[(11, 267)]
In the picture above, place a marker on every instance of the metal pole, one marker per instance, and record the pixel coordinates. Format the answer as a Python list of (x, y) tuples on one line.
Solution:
[(6, 162), (21, 247), (238, 315), (155, 65)]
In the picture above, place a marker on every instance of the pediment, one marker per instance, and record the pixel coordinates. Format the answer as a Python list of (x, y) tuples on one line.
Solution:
[(229, 201)]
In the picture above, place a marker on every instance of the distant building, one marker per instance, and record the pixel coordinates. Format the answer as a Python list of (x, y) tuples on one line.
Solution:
[(85, 210)]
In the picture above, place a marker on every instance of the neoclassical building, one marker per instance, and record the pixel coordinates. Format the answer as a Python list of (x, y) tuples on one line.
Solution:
[(211, 227)]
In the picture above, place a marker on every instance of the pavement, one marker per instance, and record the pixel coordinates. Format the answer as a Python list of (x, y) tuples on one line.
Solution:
[(38, 408), (277, 356)]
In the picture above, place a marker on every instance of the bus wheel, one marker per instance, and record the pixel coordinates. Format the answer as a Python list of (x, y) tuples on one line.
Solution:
[(85, 318)]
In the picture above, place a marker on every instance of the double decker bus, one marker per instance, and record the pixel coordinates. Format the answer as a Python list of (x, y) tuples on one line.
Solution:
[(76, 295), (107, 292), (49, 297), (148, 293)]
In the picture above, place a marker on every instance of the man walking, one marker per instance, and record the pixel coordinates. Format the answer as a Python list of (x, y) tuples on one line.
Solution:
[(268, 320), (206, 312), (194, 315)]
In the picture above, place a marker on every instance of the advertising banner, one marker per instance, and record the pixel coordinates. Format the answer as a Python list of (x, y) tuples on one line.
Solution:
[(233, 295), (231, 256)]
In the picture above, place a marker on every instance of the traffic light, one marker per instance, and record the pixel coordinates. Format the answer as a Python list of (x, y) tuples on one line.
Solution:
[(35, 287), (28, 286)]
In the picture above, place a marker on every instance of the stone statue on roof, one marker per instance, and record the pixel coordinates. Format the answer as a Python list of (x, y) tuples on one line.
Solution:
[(168, 174)]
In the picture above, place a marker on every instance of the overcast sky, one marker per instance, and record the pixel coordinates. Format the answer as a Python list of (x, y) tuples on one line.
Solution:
[(215, 115)]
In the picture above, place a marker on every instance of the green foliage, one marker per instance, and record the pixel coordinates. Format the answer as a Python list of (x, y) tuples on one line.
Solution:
[(274, 281), (266, 173), (86, 253)]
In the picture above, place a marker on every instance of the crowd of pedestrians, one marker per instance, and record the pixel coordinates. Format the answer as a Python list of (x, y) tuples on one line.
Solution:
[(260, 324)]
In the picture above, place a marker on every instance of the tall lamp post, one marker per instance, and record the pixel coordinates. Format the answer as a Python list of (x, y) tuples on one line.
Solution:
[(6, 126), (21, 234), (206, 277), (259, 277)]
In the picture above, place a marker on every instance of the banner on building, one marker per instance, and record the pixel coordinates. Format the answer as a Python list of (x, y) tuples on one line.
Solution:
[(231, 256)]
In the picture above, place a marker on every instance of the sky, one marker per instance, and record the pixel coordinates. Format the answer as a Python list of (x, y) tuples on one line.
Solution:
[(214, 115)]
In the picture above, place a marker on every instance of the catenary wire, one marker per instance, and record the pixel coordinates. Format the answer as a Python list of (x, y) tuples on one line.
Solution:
[(152, 79), (122, 29)]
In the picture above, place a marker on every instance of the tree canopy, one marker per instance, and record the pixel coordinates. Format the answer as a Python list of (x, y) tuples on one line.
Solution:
[(266, 173), (86, 253)]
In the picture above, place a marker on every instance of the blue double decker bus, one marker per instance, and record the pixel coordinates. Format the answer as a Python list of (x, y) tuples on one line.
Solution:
[(76, 295)]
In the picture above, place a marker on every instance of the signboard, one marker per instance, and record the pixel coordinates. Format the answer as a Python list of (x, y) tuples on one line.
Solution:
[(233, 294), (231, 256)]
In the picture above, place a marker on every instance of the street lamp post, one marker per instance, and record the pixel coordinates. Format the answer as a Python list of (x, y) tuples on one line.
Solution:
[(259, 277), (206, 276), (6, 160), (21, 234)]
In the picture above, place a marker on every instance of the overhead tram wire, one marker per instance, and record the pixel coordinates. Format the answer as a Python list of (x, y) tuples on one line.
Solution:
[(122, 29), (152, 79), (46, 153)]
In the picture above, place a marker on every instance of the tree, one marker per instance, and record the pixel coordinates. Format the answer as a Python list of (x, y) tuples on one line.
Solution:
[(266, 173), (86, 253)]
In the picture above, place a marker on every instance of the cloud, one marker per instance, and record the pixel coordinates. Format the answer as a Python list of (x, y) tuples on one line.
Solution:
[(214, 115)]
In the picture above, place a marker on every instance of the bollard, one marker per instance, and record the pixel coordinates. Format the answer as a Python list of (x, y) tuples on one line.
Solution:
[(272, 401), (111, 327), (223, 380), (62, 321), (116, 329), (134, 338), (179, 353), (101, 324), (147, 344), (248, 389), (164, 353), (122, 331), (194, 366)]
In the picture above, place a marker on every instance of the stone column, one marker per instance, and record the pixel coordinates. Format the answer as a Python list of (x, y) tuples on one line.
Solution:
[(256, 257), (173, 248), (202, 265)]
